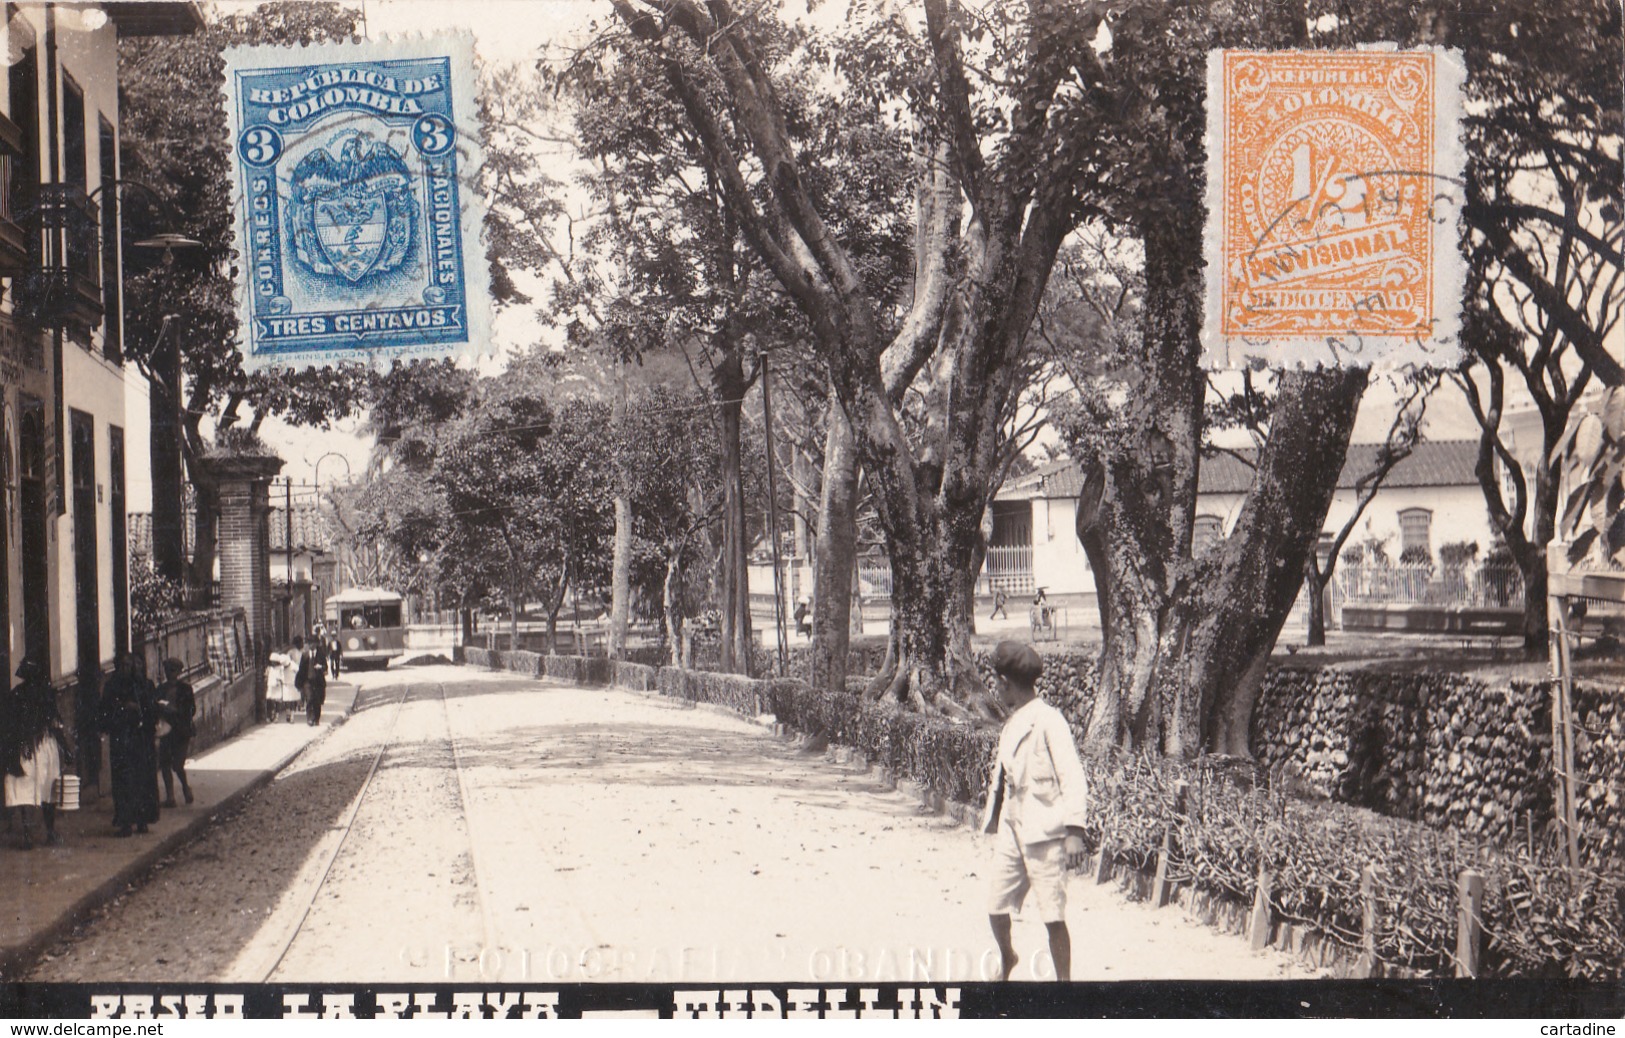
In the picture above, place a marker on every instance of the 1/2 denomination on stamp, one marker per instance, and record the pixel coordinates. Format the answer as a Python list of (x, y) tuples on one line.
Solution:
[(1334, 187), (355, 172)]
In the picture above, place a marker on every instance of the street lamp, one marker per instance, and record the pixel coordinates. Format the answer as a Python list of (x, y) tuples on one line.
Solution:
[(165, 406), (317, 479)]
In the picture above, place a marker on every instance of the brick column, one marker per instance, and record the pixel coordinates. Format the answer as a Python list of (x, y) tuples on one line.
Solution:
[(245, 551)]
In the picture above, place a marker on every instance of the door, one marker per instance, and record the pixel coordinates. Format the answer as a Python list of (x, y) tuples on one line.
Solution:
[(86, 586), (86, 597), (121, 550), (32, 505)]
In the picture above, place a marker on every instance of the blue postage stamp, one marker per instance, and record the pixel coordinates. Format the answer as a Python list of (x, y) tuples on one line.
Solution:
[(355, 178)]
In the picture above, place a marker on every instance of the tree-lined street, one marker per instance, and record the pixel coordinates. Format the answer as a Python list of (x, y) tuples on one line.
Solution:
[(593, 835)]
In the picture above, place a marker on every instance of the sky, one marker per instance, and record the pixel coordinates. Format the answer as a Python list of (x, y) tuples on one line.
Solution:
[(516, 31)]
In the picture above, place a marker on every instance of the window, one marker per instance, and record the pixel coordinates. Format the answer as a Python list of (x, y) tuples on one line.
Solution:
[(1208, 531), (21, 173), (113, 326), (1415, 535), (74, 161), (1323, 548), (77, 220)]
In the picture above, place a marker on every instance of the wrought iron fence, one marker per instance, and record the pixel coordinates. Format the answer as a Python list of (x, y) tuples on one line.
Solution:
[(874, 576), (1010, 567), (216, 640), (1485, 585), (1007, 566)]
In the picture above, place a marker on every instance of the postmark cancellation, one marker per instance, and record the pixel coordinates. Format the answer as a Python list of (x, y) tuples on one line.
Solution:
[(1334, 198), (355, 171)]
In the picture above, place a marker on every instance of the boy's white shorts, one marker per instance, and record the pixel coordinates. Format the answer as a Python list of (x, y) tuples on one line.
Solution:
[(1038, 868)]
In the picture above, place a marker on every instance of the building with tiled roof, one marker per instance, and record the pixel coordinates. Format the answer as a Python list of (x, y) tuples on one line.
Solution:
[(1429, 499)]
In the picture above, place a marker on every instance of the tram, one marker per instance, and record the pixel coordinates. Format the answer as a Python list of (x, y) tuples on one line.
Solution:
[(369, 624)]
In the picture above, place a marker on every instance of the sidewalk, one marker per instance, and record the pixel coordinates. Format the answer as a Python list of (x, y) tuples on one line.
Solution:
[(45, 891)]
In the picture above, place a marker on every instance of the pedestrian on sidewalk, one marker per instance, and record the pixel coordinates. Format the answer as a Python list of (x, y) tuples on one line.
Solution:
[(301, 670), (335, 650), (1036, 807), (999, 598), (279, 690), (129, 716), (318, 649), (35, 749), (312, 681), (177, 709)]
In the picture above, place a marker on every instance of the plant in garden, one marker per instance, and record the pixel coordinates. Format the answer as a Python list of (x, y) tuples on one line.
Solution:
[(154, 598), (1592, 454)]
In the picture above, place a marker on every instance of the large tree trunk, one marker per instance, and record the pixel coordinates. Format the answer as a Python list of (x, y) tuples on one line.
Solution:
[(930, 540), (836, 560), (1186, 641), (729, 382), (1144, 495), (1315, 584), (672, 608), (168, 499), (621, 586), (1241, 606), (1185, 658), (205, 510)]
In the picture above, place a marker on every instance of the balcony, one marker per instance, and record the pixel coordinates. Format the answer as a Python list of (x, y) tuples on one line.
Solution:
[(62, 288)]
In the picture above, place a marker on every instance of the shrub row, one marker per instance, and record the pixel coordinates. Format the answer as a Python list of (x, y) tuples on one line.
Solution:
[(950, 760), (640, 677), (1540, 919), (579, 670), (744, 696)]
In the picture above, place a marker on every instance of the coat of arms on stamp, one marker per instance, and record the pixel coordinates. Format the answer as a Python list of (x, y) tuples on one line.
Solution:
[(360, 217), (1333, 193)]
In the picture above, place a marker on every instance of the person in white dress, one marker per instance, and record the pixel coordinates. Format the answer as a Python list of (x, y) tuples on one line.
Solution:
[(280, 695), (33, 750)]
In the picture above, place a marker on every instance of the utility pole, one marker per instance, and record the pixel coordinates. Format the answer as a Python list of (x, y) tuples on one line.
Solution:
[(287, 530), (773, 516)]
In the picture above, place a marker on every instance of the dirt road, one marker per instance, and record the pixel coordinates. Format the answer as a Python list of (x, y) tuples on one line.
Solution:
[(523, 831)]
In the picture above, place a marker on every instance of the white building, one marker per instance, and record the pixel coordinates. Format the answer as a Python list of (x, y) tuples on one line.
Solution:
[(63, 450), (1430, 499)]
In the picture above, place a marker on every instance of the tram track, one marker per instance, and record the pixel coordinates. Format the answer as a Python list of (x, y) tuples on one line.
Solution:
[(303, 913)]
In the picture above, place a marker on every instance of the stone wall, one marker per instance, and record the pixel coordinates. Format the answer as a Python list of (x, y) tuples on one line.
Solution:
[(1451, 750)]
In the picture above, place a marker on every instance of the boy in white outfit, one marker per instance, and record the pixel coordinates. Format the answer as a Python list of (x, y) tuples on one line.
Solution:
[(1036, 807)]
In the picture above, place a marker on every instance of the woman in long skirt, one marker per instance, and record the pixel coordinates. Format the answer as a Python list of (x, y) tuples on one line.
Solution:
[(129, 717), (33, 754)]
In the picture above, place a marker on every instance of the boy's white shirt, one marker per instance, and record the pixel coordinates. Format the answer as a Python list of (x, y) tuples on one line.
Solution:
[(1038, 755)]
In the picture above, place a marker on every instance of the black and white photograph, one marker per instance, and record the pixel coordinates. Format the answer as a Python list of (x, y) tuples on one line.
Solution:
[(878, 509)]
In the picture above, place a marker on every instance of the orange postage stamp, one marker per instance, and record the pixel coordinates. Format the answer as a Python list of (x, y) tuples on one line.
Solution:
[(1334, 186)]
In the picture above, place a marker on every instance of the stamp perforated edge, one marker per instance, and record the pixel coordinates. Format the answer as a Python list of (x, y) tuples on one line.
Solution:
[(1440, 350), (458, 46)]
